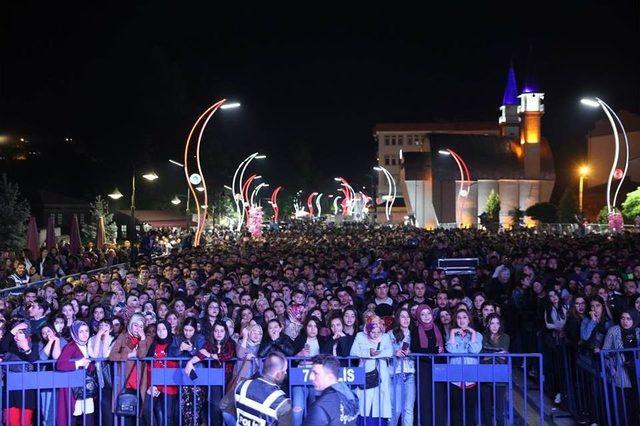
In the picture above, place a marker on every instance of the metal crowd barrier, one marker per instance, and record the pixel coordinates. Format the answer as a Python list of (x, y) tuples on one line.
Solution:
[(451, 389), (20, 288), (621, 383)]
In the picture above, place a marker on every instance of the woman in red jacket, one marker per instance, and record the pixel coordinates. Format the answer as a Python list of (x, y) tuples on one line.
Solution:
[(160, 401), (219, 349)]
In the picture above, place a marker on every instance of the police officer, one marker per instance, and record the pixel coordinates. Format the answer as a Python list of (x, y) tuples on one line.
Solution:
[(336, 405), (261, 402)]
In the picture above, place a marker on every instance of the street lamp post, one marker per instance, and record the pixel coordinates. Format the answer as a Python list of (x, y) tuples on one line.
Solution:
[(610, 113), (584, 172), (116, 194)]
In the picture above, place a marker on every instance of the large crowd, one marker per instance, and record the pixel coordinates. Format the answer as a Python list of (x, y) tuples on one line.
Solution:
[(371, 292)]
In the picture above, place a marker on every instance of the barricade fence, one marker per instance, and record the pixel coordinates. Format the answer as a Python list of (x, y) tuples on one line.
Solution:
[(37, 284), (603, 387), (443, 389)]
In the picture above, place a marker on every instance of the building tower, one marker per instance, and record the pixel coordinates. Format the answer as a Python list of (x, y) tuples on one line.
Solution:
[(530, 111), (508, 121)]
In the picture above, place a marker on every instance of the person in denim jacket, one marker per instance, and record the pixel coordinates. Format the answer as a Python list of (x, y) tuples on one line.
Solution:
[(464, 340), (403, 369)]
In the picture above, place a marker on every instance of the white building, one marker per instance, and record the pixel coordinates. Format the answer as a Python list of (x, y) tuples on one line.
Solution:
[(510, 157)]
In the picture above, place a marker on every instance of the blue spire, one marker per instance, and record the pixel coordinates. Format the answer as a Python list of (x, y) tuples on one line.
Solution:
[(511, 89)]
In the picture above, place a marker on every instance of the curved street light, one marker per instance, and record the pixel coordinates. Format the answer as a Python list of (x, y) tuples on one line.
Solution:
[(349, 195), (310, 203), (318, 206), (391, 196), (200, 124), (236, 187), (255, 192), (609, 112), (335, 205), (465, 176), (274, 203)]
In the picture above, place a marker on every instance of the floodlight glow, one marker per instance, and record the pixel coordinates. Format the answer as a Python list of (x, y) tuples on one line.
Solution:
[(260, 157), (590, 102), (338, 179), (175, 201), (116, 195), (230, 105), (443, 152), (151, 176), (583, 170)]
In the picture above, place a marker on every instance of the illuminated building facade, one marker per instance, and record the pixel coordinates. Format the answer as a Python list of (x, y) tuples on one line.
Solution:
[(509, 157)]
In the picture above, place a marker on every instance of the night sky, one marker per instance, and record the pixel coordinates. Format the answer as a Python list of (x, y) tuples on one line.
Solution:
[(126, 80)]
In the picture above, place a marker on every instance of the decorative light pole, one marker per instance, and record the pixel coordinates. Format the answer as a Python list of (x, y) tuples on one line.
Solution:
[(255, 192), (318, 206), (310, 202), (610, 113), (335, 205), (198, 178), (465, 176), (236, 186), (392, 191), (274, 203), (349, 195)]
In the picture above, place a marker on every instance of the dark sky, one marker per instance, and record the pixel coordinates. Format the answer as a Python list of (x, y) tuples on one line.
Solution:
[(127, 79)]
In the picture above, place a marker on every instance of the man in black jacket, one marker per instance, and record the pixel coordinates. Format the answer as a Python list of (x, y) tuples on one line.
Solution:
[(336, 405)]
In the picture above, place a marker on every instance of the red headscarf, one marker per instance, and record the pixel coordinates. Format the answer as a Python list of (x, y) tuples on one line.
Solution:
[(423, 327)]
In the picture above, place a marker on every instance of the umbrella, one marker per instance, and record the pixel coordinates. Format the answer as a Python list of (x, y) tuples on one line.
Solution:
[(100, 237), (74, 239), (51, 236), (32, 238)]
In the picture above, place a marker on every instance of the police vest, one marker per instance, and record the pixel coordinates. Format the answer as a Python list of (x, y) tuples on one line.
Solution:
[(19, 280), (257, 403)]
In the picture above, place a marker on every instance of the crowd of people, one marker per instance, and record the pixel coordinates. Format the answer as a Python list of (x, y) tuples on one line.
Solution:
[(369, 292)]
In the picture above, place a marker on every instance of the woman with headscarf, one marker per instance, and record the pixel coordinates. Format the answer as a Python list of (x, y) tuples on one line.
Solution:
[(426, 339), (77, 402), (160, 401), (622, 365), (129, 347), (295, 320), (374, 346)]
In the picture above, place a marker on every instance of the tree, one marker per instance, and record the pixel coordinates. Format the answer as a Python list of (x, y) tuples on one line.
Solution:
[(543, 212), (14, 214), (224, 208), (492, 207), (568, 208), (99, 207), (631, 205), (490, 218), (603, 215)]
